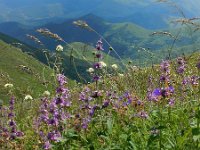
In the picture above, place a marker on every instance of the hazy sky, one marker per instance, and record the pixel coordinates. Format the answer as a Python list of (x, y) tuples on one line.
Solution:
[(26, 9)]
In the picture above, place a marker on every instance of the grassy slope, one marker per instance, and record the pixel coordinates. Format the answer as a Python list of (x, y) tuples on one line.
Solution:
[(24, 82)]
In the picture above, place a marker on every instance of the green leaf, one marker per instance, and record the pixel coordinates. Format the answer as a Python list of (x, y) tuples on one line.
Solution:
[(109, 125), (123, 137), (196, 137), (195, 131), (161, 127)]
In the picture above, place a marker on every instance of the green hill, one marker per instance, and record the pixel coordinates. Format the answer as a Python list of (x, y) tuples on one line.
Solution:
[(28, 75)]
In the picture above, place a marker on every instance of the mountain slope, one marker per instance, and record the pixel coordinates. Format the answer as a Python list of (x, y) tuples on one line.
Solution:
[(23, 71)]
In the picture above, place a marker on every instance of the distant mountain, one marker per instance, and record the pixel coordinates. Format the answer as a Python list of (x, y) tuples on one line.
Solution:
[(127, 38), (146, 13), (116, 33)]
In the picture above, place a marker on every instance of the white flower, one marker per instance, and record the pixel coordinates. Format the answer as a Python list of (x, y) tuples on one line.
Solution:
[(59, 48), (103, 64), (8, 85), (134, 68), (46, 93), (90, 70), (28, 97), (121, 75), (114, 66)]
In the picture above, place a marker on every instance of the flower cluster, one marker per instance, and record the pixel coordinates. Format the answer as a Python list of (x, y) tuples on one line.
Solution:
[(99, 64), (165, 69), (59, 48), (87, 106), (181, 65), (53, 114), (191, 80), (10, 130)]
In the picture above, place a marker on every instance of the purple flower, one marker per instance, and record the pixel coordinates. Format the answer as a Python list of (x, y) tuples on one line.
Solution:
[(96, 78), (11, 115), (12, 123), (164, 92), (198, 65), (53, 121), (47, 145), (12, 136), (19, 134), (54, 136), (172, 102), (12, 101), (85, 123), (61, 79), (194, 80), (100, 56), (97, 65), (156, 92), (59, 101), (171, 89), (91, 112), (165, 66), (105, 103), (142, 115), (186, 81), (181, 69), (99, 45)]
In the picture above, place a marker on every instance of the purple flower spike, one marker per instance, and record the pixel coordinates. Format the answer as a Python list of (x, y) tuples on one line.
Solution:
[(99, 45), (105, 104), (96, 78), (61, 79), (47, 145)]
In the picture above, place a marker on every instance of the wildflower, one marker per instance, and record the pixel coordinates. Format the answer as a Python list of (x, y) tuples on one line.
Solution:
[(171, 102), (46, 93), (134, 68), (164, 78), (105, 103), (121, 75), (85, 122), (198, 65), (99, 45), (61, 79), (186, 80), (114, 66), (161, 92), (194, 80), (157, 92), (28, 97), (99, 56), (8, 85), (97, 65), (103, 64), (59, 48), (142, 115), (90, 70), (96, 78), (165, 66), (181, 65)]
